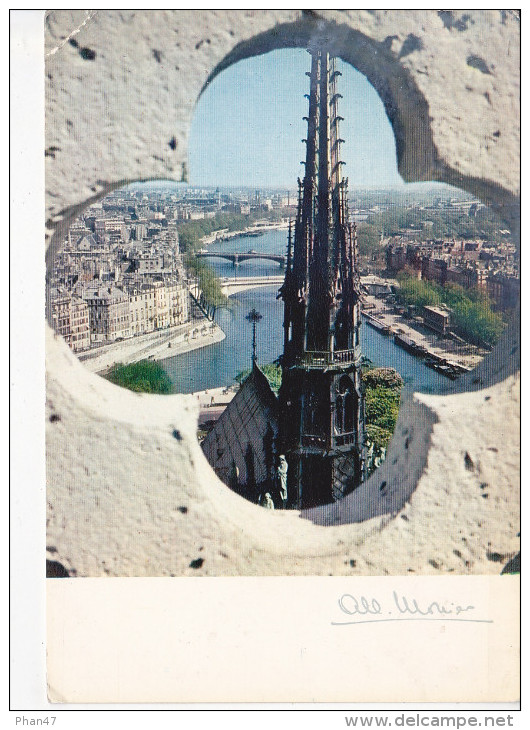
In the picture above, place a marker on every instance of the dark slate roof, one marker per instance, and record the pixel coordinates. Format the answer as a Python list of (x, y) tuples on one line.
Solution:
[(86, 239), (258, 380), (240, 408), (246, 419)]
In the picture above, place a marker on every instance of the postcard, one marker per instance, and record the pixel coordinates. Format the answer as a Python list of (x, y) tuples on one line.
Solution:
[(282, 356)]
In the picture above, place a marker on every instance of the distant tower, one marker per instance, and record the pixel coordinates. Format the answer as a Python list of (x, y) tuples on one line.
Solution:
[(321, 403)]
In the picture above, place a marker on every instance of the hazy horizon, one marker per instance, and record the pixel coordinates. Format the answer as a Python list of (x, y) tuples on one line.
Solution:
[(403, 189)]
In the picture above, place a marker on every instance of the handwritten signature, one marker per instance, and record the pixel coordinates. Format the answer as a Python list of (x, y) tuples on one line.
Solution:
[(401, 608)]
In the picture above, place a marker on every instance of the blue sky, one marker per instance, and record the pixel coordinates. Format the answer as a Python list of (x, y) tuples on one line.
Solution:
[(247, 127)]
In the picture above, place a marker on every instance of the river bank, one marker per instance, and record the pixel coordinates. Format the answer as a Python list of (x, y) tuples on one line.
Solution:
[(218, 236), (462, 353), (167, 343), (153, 346)]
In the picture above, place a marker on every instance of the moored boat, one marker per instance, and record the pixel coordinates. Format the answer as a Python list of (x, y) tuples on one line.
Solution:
[(409, 345)]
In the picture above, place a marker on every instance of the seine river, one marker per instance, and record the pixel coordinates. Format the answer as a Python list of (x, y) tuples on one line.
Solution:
[(218, 364)]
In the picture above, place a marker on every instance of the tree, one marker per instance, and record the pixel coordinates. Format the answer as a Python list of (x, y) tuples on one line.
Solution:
[(381, 407), (368, 237), (145, 376), (472, 312), (272, 372), (208, 280)]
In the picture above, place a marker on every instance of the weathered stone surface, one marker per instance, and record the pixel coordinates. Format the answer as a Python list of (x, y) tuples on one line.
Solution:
[(125, 497)]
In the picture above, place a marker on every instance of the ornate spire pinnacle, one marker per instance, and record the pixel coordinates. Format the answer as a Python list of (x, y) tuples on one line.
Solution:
[(321, 395)]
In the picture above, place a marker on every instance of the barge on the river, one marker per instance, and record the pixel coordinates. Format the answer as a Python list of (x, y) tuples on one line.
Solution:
[(406, 343), (381, 327), (436, 362)]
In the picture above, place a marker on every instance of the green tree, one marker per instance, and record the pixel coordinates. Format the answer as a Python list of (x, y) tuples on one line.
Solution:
[(272, 372), (380, 437), (208, 280), (374, 377), (382, 393), (368, 237), (471, 309), (381, 407), (417, 292), (145, 376), (191, 232)]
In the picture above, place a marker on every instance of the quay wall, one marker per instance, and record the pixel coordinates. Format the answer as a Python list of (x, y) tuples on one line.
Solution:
[(155, 345)]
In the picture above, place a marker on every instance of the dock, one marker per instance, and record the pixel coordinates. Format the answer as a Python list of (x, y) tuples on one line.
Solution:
[(407, 344), (381, 327), (432, 360)]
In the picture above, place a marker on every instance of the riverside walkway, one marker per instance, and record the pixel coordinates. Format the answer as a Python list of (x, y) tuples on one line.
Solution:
[(157, 345)]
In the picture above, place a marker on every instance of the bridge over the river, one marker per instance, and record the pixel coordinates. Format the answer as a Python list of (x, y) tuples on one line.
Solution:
[(237, 257), (239, 284)]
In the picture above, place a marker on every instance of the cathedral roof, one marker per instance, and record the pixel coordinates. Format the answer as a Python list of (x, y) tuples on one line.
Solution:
[(250, 418)]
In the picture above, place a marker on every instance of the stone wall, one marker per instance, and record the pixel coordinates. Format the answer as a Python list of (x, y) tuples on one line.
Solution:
[(129, 491)]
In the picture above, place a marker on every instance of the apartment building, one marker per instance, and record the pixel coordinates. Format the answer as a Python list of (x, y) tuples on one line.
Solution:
[(70, 318), (142, 308), (178, 302), (161, 305), (79, 325), (109, 313), (60, 311)]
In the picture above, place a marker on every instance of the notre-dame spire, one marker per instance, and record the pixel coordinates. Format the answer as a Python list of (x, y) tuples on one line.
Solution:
[(321, 402)]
